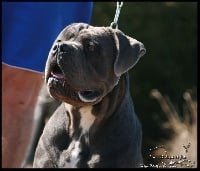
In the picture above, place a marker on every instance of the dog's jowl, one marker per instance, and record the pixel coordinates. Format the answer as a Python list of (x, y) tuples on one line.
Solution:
[(95, 126)]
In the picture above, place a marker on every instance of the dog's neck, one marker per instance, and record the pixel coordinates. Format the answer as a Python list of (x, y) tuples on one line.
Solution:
[(85, 122), (82, 119)]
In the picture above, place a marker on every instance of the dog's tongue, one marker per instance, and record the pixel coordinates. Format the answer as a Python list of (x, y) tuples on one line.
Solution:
[(57, 75), (57, 72)]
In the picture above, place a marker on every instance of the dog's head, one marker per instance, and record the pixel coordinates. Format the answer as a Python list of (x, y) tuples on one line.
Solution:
[(86, 62)]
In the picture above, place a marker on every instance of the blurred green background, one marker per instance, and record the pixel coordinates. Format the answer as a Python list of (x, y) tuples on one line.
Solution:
[(169, 33)]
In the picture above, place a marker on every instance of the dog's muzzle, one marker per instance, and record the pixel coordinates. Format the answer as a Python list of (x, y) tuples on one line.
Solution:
[(57, 79)]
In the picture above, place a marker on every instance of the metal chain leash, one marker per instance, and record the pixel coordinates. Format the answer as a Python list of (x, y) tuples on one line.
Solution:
[(114, 23)]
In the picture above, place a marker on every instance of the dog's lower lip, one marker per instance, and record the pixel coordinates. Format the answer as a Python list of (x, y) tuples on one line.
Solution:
[(89, 95)]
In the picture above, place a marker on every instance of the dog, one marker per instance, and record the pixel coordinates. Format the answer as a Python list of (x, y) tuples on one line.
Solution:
[(96, 125)]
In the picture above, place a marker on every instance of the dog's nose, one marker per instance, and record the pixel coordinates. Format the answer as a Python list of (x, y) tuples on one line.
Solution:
[(55, 48), (62, 47), (65, 47)]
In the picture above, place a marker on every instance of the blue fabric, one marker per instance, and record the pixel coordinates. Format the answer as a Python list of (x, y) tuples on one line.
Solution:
[(30, 28)]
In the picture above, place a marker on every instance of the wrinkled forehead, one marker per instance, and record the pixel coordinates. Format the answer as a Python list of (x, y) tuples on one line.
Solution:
[(98, 33), (94, 31), (85, 33)]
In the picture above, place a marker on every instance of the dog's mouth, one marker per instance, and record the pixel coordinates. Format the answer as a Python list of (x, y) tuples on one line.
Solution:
[(57, 72), (61, 89)]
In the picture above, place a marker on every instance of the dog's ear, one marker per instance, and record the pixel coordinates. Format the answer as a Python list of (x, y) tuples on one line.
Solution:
[(128, 52)]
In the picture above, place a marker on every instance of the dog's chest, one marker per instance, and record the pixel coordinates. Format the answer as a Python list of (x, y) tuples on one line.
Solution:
[(70, 157), (81, 121)]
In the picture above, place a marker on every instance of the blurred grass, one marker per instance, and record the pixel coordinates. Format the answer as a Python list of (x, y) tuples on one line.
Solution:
[(183, 141), (169, 33)]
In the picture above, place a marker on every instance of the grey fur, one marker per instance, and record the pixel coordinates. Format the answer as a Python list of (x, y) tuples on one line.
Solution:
[(93, 62)]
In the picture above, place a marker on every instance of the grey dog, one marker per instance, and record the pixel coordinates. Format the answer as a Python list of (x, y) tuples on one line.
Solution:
[(96, 125)]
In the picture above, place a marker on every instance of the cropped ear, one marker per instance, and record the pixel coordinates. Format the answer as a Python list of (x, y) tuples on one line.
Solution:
[(128, 52)]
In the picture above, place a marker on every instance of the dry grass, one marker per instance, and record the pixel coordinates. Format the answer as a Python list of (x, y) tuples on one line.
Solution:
[(181, 150)]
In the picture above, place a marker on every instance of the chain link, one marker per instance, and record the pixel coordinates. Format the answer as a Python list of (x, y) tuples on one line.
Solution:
[(114, 23)]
